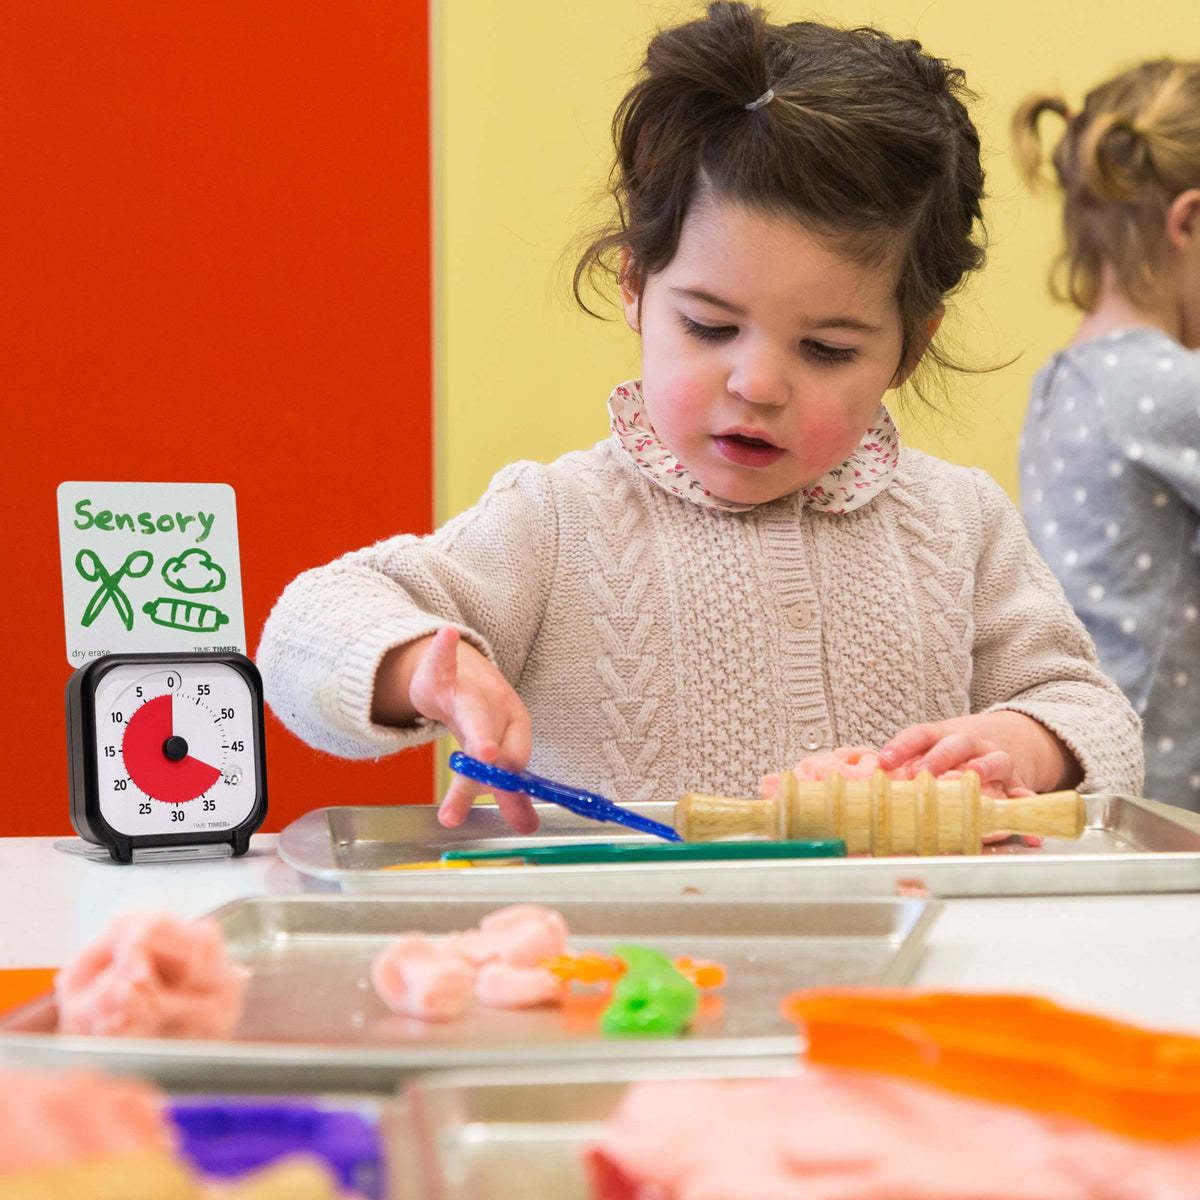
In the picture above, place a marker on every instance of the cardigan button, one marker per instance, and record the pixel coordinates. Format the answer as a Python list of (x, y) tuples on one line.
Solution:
[(799, 616), (812, 738)]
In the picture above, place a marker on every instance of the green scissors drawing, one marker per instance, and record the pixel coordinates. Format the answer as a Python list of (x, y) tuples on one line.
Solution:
[(88, 564)]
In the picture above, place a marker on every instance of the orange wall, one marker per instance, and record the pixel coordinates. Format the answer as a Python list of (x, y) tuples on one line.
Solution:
[(214, 266)]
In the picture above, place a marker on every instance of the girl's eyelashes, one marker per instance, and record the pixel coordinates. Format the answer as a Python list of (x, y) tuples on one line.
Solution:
[(824, 353), (819, 352), (707, 333)]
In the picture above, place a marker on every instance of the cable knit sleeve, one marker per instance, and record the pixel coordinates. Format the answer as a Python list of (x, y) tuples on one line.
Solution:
[(487, 572), (1032, 655)]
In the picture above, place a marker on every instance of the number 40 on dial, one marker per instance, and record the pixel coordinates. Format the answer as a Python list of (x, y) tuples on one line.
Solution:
[(166, 750)]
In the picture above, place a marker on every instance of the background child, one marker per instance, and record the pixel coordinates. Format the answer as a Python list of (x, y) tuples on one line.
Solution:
[(1110, 457), (750, 568)]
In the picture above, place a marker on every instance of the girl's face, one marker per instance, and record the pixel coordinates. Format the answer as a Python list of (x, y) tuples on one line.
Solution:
[(764, 352)]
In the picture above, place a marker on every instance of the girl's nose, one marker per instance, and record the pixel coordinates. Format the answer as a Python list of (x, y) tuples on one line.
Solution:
[(757, 377)]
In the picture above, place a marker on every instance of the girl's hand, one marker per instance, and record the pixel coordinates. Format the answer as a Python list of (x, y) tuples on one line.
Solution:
[(944, 746), (449, 681), (1003, 747)]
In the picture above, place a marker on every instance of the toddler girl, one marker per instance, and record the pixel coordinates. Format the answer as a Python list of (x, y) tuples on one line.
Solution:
[(750, 568), (1111, 447)]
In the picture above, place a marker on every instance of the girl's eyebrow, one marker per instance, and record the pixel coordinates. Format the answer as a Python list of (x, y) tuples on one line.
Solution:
[(708, 298), (852, 323)]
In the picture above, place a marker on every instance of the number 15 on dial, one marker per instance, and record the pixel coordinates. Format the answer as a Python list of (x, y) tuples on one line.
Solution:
[(166, 750)]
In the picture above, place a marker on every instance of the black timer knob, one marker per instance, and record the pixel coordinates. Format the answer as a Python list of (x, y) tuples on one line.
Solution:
[(175, 748)]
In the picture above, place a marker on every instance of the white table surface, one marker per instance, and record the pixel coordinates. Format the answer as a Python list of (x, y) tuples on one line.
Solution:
[(1133, 956)]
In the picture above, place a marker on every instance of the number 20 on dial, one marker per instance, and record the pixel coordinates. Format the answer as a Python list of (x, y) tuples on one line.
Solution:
[(166, 750)]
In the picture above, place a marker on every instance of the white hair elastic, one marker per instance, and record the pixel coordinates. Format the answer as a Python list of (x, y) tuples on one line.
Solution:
[(765, 98)]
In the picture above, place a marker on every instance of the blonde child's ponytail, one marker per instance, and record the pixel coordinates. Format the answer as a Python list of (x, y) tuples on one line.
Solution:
[(1026, 137), (1121, 161)]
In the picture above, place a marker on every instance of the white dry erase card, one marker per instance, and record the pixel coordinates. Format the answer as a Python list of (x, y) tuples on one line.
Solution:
[(150, 567)]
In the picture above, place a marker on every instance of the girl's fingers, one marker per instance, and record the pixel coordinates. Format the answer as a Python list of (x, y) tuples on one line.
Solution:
[(516, 744), (950, 753), (908, 744), (513, 755), (455, 805), (993, 767), (517, 811), (474, 726)]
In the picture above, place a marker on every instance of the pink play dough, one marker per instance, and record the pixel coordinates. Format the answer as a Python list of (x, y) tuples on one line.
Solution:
[(861, 762), (851, 1135), (498, 961), (48, 1120), (501, 985), (419, 978), (152, 975), (521, 935)]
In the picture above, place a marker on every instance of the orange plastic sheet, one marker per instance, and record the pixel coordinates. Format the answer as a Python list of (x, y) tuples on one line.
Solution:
[(19, 985), (1014, 1049)]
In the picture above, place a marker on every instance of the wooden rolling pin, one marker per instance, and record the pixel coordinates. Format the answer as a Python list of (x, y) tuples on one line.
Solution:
[(881, 815)]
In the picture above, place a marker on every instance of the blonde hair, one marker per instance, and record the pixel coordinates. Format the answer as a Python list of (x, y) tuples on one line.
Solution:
[(1121, 162)]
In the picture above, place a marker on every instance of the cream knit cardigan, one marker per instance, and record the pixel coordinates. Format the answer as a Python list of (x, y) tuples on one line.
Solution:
[(662, 647)]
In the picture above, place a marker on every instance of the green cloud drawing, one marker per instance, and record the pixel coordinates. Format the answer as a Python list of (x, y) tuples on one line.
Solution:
[(193, 571)]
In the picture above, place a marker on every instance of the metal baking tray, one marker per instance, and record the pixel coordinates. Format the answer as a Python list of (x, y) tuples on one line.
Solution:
[(313, 1021), (517, 1135), (1130, 845)]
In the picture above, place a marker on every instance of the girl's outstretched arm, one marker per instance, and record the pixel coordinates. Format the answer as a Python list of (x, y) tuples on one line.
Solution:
[(339, 634)]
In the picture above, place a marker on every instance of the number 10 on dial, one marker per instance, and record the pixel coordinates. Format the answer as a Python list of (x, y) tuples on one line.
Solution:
[(165, 750)]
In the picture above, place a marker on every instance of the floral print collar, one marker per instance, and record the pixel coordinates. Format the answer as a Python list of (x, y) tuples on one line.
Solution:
[(858, 480)]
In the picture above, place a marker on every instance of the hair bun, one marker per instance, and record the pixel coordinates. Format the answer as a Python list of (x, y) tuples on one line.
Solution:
[(722, 59), (1114, 157)]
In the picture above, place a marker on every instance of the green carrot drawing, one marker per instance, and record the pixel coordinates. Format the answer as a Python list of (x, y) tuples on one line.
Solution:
[(183, 614)]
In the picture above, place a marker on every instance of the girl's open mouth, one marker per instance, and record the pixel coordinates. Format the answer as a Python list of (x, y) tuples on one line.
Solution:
[(747, 451)]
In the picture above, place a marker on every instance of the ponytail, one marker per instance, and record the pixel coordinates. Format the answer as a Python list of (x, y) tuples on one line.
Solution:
[(1027, 142)]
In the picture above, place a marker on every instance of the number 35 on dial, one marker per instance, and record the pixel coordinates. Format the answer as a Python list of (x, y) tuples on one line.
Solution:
[(165, 750)]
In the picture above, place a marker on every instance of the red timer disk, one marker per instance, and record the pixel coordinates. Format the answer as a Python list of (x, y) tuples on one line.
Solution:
[(158, 759)]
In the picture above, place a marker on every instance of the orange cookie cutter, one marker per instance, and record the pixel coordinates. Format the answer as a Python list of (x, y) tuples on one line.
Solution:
[(591, 967)]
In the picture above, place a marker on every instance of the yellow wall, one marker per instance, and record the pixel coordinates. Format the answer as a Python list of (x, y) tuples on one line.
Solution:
[(524, 96)]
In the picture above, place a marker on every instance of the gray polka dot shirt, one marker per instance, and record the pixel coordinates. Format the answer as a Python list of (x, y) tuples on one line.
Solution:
[(1110, 492)]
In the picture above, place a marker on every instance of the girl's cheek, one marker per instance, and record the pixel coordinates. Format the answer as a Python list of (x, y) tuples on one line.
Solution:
[(676, 396), (826, 439)]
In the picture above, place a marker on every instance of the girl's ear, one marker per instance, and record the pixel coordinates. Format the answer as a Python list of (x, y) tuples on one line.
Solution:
[(631, 291), (1183, 220), (917, 350)]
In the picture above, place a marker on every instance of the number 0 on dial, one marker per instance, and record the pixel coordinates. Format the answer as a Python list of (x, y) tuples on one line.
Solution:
[(166, 749)]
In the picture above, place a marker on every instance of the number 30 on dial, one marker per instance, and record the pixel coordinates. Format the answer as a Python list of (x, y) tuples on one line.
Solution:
[(166, 749)]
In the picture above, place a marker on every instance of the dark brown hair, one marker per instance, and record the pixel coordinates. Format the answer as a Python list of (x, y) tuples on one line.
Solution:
[(1120, 163), (866, 140)]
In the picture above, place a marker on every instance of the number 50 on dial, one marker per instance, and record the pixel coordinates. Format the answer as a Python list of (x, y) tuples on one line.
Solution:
[(166, 750)]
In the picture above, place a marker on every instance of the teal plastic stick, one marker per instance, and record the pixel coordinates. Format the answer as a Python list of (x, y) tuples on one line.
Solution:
[(618, 852)]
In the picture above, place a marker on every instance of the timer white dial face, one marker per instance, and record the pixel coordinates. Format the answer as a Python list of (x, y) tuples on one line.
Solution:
[(174, 748)]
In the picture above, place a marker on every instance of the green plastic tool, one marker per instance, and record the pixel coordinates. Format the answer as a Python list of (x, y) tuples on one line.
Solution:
[(618, 852), (652, 997)]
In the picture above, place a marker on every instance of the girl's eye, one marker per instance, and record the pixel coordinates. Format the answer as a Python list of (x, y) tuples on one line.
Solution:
[(828, 354), (707, 333)]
